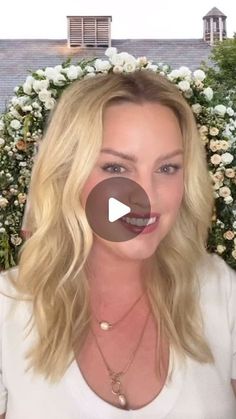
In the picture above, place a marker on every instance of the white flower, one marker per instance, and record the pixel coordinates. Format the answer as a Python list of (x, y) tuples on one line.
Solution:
[(184, 85), (230, 111), (152, 67), (40, 72), (27, 88), (227, 158), (220, 248), (50, 103), (15, 124), (3, 202), (59, 79), (2, 125), (27, 108), (199, 75), (141, 61), (73, 72), (117, 59), (225, 191), (214, 131), (229, 235), (39, 85), (174, 74), (44, 95), (220, 110), (16, 240), (188, 93), (184, 72), (208, 93), (215, 159), (102, 65), (129, 67), (2, 230), (111, 51), (117, 69), (2, 142), (58, 68), (89, 69), (228, 200), (197, 108), (50, 73)]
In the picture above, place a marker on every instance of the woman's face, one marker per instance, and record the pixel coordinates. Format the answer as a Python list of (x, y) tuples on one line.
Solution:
[(148, 131)]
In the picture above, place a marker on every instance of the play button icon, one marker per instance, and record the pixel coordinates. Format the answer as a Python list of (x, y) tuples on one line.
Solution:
[(114, 208)]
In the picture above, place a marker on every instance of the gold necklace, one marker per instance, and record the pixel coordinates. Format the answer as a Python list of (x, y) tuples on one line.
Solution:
[(105, 325), (116, 386)]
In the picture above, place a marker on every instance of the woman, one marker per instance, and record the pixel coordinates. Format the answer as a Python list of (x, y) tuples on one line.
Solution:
[(140, 328)]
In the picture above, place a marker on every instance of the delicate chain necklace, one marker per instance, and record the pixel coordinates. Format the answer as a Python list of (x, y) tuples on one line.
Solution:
[(105, 325), (116, 386)]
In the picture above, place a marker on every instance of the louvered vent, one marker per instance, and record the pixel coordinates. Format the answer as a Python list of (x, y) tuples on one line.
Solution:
[(89, 31)]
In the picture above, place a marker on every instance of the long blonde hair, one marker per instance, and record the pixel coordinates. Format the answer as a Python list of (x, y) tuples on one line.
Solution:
[(51, 267)]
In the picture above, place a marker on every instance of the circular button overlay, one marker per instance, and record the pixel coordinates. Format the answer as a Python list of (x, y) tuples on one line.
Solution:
[(118, 209)]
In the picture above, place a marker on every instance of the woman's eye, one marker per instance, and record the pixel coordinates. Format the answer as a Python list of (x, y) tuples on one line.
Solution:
[(112, 168), (175, 168)]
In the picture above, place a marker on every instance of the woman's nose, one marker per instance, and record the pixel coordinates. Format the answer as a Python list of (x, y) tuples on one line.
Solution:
[(143, 195)]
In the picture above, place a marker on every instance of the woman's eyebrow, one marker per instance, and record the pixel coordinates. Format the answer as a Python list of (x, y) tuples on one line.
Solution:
[(134, 159)]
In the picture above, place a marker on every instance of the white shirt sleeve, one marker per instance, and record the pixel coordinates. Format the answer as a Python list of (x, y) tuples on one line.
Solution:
[(3, 390), (232, 317)]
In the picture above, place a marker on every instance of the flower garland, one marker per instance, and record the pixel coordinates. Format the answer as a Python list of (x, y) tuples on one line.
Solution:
[(22, 125)]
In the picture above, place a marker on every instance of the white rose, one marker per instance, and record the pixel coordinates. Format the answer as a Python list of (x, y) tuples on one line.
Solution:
[(50, 73), (2, 142), (228, 199), (208, 93), (225, 191), (59, 79), (111, 51), (40, 85), (89, 69), (229, 235), (117, 59), (15, 124), (102, 65), (142, 61), (118, 69), (27, 108), (220, 110), (214, 131), (227, 158), (230, 111), (40, 72), (220, 248), (199, 75), (129, 67), (184, 72), (27, 88), (44, 95), (215, 159), (50, 103), (174, 74), (184, 85), (73, 72), (188, 93), (3, 202), (197, 108), (152, 67)]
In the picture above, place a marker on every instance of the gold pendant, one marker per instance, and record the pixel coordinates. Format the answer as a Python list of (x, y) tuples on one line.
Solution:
[(105, 325)]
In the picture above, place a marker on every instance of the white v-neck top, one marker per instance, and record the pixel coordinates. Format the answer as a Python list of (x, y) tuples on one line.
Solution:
[(198, 391)]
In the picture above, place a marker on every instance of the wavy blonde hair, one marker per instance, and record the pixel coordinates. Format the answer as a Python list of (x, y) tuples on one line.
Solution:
[(51, 269)]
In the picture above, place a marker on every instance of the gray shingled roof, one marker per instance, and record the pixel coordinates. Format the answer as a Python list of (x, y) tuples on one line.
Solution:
[(214, 12), (20, 55)]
